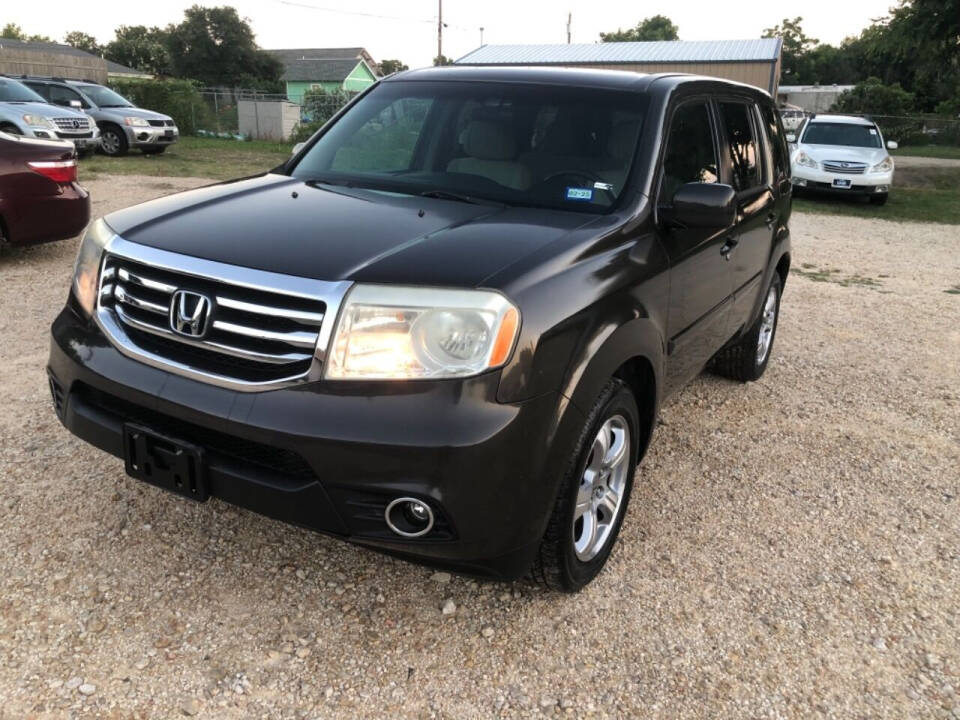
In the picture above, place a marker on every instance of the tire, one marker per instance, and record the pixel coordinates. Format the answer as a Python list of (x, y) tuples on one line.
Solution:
[(113, 141), (747, 359), (10, 129), (570, 555), (153, 150), (878, 199)]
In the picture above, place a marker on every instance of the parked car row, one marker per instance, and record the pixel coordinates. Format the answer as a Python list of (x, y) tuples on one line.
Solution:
[(91, 116)]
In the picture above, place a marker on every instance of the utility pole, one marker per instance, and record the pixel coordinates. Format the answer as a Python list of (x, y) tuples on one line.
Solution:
[(439, 30), (569, 20), (481, 37)]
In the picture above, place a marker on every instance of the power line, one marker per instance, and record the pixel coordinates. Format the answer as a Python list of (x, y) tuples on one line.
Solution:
[(355, 12)]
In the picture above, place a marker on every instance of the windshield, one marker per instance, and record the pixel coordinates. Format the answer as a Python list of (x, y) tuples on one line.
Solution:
[(538, 146), (105, 97), (823, 133), (12, 91)]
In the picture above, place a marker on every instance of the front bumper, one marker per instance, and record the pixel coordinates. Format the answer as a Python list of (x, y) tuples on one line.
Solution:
[(151, 136), (330, 457), (89, 140), (823, 181)]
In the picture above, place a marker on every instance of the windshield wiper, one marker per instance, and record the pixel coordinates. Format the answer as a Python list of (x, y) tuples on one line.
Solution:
[(458, 197)]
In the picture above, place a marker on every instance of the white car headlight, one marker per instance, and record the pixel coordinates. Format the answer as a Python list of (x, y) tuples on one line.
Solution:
[(884, 166), (136, 122), (39, 121), (806, 161), (389, 332), (86, 271)]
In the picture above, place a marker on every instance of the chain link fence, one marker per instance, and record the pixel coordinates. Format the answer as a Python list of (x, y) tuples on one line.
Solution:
[(914, 130)]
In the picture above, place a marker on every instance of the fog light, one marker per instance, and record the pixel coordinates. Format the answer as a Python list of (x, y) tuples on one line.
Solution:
[(881, 188), (409, 517), (800, 181), (142, 136)]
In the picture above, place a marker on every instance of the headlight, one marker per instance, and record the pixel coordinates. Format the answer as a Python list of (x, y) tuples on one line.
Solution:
[(39, 121), (136, 122), (884, 166), (807, 161), (396, 333), (86, 272)]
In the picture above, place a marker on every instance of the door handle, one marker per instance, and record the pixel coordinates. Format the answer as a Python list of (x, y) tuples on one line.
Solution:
[(729, 243)]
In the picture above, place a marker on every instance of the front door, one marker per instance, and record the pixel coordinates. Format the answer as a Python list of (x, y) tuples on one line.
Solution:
[(700, 281), (756, 215)]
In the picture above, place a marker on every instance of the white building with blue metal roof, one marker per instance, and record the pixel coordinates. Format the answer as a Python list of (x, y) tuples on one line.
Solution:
[(754, 62)]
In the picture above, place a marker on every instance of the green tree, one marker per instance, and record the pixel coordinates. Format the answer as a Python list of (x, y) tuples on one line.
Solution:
[(140, 47), (216, 46), (872, 96), (796, 65), (442, 60), (658, 27), (388, 67), (82, 41), (13, 32)]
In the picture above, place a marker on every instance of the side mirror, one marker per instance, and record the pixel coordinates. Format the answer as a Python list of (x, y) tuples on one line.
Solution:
[(705, 205), (76, 104), (297, 148), (791, 137), (892, 144)]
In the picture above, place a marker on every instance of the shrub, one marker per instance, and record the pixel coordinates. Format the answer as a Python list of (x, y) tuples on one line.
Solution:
[(180, 99)]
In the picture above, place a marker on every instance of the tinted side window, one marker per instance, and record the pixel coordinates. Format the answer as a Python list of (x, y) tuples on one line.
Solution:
[(741, 144), (777, 142), (60, 95), (42, 89), (690, 155)]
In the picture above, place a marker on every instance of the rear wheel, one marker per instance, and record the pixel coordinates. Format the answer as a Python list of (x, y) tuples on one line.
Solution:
[(747, 359), (113, 141), (593, 496)]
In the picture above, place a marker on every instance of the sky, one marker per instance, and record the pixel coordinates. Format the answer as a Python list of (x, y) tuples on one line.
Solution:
[(407, 29)]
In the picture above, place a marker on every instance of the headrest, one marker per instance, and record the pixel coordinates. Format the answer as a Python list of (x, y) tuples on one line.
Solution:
[(489, 140), (623, 139)]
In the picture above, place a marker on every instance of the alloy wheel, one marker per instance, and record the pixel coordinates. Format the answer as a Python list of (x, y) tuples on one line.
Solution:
[(767, 323)]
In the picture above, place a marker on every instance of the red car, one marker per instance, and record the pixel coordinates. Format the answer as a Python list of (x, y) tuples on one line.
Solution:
[(40, 199)]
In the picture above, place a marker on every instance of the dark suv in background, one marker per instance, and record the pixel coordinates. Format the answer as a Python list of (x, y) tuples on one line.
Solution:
[(122, 124), (445, 327)]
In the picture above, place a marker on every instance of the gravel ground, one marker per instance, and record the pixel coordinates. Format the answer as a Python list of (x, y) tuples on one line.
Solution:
[(792, 548)]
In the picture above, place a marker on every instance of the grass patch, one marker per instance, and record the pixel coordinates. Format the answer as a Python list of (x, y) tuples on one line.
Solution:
[(918, 195), (947, 152), (193, 157), (835, 276)]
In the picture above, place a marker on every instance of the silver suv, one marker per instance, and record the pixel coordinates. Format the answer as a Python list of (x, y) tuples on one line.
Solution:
[(24, 112), (122, 124)]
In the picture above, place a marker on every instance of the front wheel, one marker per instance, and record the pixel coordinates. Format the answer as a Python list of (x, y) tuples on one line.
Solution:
[(113, 141), (747, 359), (593, 496)]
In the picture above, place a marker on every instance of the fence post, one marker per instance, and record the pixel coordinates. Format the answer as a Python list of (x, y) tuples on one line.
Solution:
[(216, 110)]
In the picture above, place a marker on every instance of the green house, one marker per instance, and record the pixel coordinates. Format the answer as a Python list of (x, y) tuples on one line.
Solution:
[(330, 69)]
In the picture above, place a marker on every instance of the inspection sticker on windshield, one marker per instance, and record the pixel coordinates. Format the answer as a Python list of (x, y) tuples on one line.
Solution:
[(575, 193)]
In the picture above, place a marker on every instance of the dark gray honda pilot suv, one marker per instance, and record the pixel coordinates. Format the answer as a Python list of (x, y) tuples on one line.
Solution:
[(445, 327)]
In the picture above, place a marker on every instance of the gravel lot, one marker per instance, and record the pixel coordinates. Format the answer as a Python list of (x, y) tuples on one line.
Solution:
[(792, 548)]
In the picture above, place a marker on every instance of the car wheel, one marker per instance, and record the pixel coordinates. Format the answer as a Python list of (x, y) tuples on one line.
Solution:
[(10, 129), (878, 199), (747, 359), (113, 141), (593, 496), (153, 150)]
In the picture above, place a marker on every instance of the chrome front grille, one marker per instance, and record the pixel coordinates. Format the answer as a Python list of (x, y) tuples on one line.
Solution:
[(259, 329), (70, 124), (845, 168)]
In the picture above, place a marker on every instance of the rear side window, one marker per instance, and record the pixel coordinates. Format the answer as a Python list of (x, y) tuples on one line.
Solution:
[(741, 144), (691, 156), (776, 141)]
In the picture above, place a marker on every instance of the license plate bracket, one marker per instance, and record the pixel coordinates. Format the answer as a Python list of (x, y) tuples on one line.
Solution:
[(166, 462), (841, 183)]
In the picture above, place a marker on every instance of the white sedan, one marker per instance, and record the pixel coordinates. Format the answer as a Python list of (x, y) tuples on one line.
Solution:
[(842, 154)]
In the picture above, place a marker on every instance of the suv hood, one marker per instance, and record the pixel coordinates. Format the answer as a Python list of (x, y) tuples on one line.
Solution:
[(135, 112), (44, 109), (284, 225), (871, 156)]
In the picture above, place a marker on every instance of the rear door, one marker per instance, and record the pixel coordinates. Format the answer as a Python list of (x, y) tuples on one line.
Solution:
[(757, 211), (700, 282)]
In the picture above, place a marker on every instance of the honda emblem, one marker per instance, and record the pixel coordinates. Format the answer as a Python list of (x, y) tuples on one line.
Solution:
[(190, 313)]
